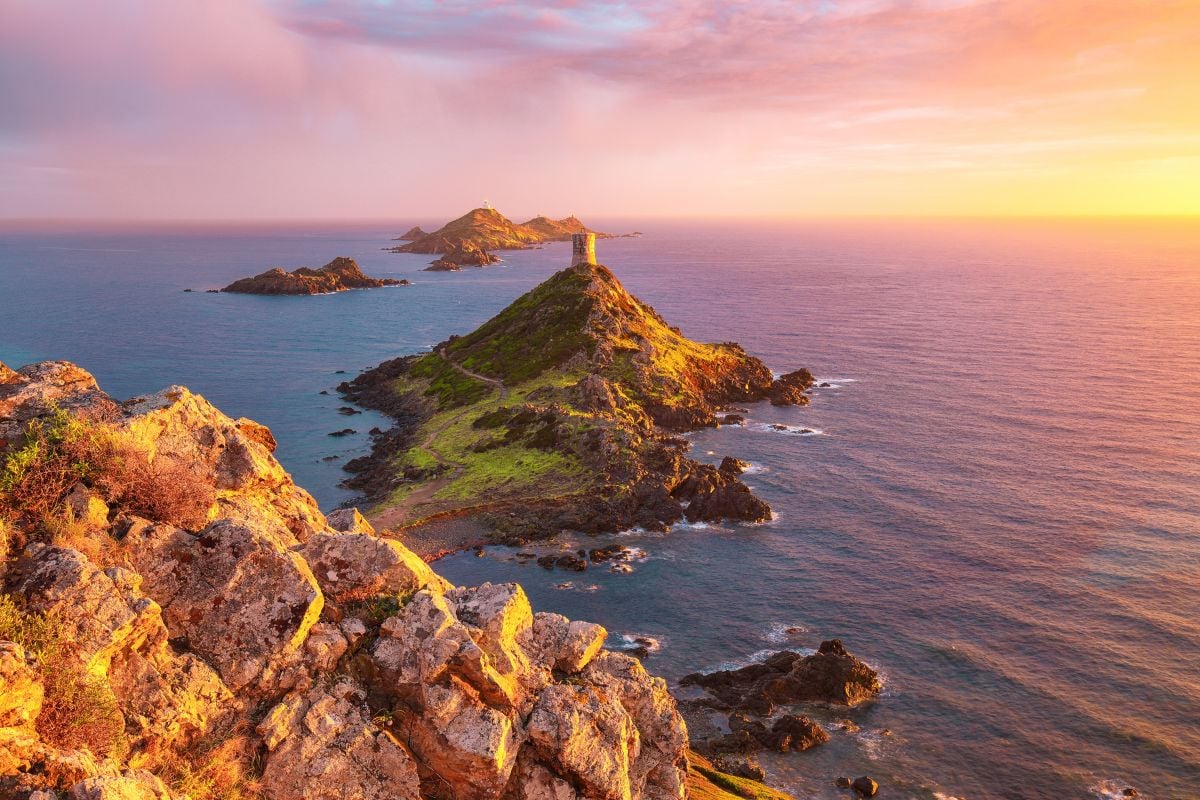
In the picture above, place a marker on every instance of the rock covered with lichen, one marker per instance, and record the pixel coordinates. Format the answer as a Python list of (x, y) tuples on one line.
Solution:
[(179, 619)]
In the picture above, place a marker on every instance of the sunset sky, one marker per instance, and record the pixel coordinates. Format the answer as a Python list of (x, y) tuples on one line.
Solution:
[(330, 109)]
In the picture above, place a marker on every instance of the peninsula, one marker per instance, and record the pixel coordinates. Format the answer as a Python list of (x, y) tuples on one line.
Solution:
[(561, 412), (338, 275)]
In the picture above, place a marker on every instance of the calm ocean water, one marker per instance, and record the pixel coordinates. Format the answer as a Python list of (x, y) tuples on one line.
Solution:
[(1001, 509)]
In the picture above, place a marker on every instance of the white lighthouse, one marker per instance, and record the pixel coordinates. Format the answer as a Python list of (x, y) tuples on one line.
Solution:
[(583, 248)]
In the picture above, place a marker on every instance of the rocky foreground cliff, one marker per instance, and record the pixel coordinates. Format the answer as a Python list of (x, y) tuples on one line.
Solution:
[(563, 412), (179, 619)]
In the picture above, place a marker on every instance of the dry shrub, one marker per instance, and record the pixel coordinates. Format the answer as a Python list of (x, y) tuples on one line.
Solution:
[(63, 449), (79, 709), (165, 489), (64, 530), (223, 765)]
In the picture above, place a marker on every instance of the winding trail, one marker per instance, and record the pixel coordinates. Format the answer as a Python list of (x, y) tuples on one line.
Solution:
[(401, 514)]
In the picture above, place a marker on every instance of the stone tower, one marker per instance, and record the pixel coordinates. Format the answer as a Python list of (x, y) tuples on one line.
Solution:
[(583, 248)]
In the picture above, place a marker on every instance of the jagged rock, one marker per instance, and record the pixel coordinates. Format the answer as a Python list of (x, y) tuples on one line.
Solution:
[(133, 785), (586, 736), (744, 767), (793, 732), (713, 494), (251, 485), (101, 613), (236, 595), (336, 276), (733, 466), (831, 675), (660, 766), (349, 520), (86, 507), (325, 646), (354, 566), (567, 646), (37, 389), (198, 628), (323, 746), (788, 390)]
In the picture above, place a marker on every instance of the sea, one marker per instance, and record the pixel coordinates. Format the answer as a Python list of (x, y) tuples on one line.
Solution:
[(995, 501)]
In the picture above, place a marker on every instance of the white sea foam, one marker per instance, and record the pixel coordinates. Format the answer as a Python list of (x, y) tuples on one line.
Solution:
[(632, 641), (787, 430), (779, 632), (1113, 789)]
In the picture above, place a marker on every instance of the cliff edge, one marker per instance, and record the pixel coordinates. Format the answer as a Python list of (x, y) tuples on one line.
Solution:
[(178, 618)]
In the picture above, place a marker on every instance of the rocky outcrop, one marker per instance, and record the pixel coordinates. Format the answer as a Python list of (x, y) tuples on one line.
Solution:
[(466, 254), (288, 655), (790, 389), (323, 745), (338, 275), (412, 234), (831, 675)]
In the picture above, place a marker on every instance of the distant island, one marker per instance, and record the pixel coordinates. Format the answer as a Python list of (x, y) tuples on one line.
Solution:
[(336, 276), (559, 413), (466, 241)]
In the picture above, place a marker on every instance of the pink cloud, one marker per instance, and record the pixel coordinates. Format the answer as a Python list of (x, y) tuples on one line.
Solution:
[(236, 108)]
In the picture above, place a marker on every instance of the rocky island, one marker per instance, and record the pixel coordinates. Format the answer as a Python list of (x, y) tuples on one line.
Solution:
[(561, 412), (338, 275), (179, 620), (488, 229)]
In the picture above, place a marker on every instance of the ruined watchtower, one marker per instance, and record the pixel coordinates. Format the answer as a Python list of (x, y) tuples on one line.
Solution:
[(583, 248)]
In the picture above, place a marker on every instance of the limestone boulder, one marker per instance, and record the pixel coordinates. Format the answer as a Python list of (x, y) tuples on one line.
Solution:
[(658, 770), (349, 520), (461, 740), (354, 566), (232, 594), (586, 736), (499, 617), (100, 612), (37, 389), (236, 455), (324, 746), (562, 644), (425, 644)]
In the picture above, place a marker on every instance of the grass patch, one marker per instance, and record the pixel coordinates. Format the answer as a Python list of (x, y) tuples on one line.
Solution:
[(515, 470), (704, 782), (452, 388), (541, 329)]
